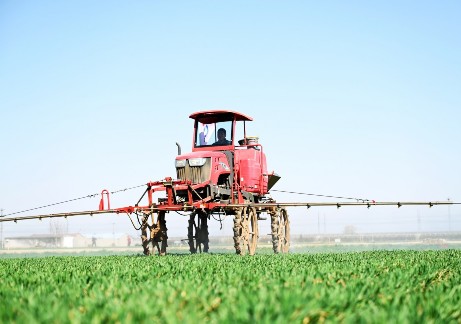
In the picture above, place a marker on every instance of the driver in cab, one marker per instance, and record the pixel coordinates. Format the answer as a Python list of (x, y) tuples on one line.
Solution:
[(222, 138)]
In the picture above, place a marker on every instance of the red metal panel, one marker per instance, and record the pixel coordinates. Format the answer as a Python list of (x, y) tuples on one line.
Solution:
[(252, 168)]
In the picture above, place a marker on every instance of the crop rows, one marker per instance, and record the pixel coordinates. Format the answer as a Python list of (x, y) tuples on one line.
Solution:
[(377, 286)]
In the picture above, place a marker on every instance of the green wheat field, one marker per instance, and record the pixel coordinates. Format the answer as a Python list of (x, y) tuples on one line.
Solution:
[(402, 286)]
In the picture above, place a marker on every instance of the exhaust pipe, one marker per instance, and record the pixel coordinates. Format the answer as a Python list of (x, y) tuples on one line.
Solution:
[(179, 148)]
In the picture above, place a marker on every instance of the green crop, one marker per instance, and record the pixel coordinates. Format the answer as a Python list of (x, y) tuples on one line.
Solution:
[(377, 286)]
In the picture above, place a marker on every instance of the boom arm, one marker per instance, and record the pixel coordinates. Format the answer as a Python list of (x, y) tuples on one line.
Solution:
[(212, 206)]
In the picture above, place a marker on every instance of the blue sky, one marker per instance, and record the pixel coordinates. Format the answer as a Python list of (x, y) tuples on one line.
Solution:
[(353, 99)]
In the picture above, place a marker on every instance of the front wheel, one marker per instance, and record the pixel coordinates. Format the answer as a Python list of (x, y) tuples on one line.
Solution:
[(155, 234), (197, 232)]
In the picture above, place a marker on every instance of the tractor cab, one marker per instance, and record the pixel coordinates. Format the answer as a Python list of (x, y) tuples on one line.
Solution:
[(218, 130), (225, 164)]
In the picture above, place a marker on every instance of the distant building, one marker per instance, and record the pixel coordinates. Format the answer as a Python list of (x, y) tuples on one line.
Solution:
[(70, 241)]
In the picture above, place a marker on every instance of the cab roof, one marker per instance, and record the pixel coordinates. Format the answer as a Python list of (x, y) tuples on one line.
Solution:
[(212, 116)]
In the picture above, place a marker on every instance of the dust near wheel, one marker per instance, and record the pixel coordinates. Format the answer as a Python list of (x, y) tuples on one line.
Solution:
[(197, 232), (246, 230), (280, 230)]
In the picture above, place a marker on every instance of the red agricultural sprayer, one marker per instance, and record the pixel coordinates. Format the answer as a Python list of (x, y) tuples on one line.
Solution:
[(226, 173)]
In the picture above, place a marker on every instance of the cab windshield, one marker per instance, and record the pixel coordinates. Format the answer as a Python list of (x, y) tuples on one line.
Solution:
[(214, 134)]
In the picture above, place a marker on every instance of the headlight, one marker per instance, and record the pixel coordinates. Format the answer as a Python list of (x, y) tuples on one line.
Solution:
[(180, 163), (197, 162)]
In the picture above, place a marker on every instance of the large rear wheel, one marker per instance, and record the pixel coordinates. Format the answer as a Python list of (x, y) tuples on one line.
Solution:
[(280, 228), (246, 231)]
